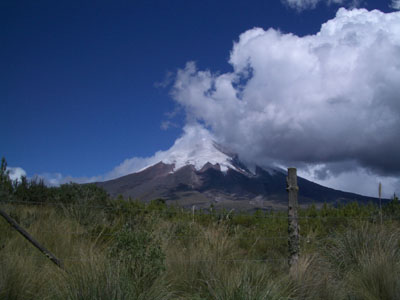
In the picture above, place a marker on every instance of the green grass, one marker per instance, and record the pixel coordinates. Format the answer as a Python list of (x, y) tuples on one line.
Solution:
[(128, 250)]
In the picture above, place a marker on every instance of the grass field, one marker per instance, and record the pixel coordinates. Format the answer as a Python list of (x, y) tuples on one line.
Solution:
[(129, 250)]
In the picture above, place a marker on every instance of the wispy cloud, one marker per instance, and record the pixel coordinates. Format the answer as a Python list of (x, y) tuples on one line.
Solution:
[(167, 81), (301, 5), (16, 173), (395, 4), (165, 125), (170, 122)]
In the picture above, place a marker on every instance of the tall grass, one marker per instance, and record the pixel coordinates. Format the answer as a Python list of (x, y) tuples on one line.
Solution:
[(367, 259), (157, 254)]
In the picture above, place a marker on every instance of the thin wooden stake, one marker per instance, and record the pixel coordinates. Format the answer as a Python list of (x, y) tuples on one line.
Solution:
[(27, 236), (380, 200), (293, 225)]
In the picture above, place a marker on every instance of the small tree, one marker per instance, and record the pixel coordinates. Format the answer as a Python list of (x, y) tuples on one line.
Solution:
[(393, 207), (6, 187)]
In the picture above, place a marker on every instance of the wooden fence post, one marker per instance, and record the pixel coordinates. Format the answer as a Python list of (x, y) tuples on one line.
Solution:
[(26, 235), (380, 201), (293, 225)]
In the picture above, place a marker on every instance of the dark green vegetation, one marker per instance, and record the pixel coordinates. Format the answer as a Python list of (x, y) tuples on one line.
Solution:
[(118, 249)]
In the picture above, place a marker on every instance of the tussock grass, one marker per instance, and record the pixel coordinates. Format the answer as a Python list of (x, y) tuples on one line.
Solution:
[(22, 277), (313, 278), (367, 260), (98, 278), (153, 255)]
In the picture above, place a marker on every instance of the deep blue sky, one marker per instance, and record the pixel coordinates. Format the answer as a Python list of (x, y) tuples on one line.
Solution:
[(78, 78)]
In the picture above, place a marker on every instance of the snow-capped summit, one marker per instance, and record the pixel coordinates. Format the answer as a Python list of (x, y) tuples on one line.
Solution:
[(196, 147)]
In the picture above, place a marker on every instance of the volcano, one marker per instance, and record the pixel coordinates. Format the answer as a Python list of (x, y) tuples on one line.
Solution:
[(199, 172)]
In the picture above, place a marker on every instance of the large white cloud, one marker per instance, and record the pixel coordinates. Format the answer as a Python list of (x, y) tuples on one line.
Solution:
[(328, 98)]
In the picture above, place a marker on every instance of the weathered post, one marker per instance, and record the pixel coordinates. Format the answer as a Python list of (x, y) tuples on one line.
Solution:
[(293, 225), (27, 236), (380, 201)]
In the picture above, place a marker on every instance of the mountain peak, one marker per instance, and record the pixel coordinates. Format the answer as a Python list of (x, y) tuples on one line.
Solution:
[(197, 147)]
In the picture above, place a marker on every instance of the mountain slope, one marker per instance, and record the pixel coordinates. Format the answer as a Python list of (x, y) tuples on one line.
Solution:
[(200, 172)]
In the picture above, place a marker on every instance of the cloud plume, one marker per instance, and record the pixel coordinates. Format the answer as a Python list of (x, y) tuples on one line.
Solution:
[(328, 98)]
